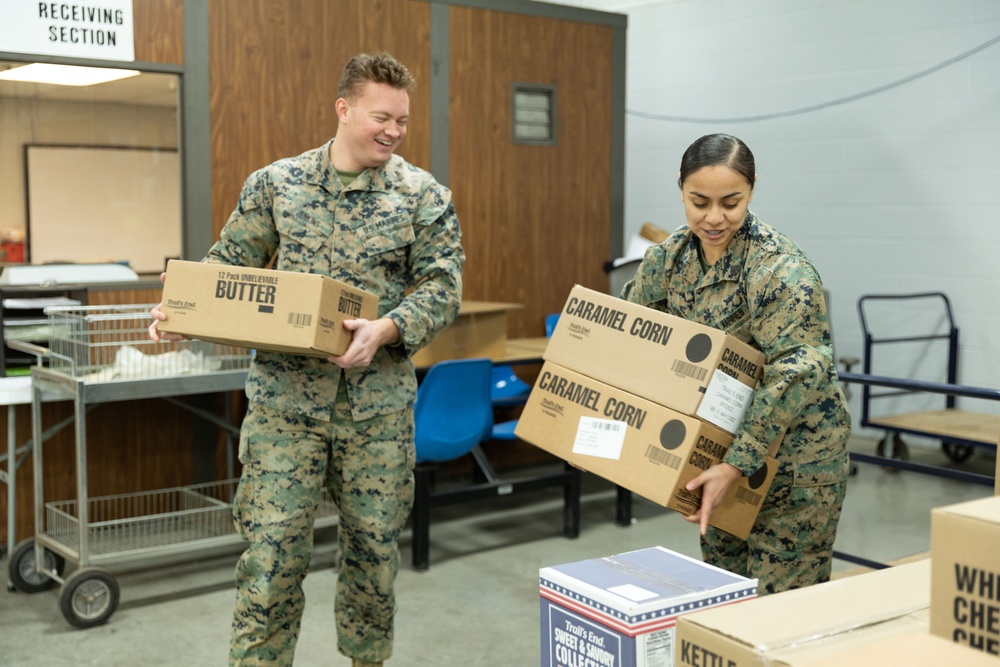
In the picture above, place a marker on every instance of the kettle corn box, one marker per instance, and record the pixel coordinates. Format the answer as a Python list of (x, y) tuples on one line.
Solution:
[(965, 579), (686, 366), (620, 611), (800, 627), (915, 649), (640, 445), (281, 311)]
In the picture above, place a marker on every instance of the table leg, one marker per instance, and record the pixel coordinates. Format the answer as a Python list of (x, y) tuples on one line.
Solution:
[(11, 485)]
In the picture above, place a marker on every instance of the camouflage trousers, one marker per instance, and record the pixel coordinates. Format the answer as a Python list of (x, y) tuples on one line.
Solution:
[(791, 544), (287, 460)]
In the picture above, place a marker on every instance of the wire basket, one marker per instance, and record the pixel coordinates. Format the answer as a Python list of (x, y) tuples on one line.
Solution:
[(152, 520), (101, 343)]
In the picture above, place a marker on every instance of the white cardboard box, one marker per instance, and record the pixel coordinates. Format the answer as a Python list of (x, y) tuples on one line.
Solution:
[(620, 611)]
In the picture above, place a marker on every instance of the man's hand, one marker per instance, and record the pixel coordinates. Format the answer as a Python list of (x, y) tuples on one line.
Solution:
[(369, 336), (713, 483), (160, 316)]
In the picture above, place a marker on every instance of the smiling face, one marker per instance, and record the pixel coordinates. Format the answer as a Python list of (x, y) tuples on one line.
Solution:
[(715, 201), (370, 127)]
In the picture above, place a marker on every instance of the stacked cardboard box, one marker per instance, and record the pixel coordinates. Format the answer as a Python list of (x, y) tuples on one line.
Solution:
[(636, 443), (646, 400), (682, 365), (282, 311), (965, 584), (807, 625), (621, 611)]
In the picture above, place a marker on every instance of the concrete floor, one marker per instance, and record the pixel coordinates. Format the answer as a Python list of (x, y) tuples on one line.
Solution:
[(477, 605)]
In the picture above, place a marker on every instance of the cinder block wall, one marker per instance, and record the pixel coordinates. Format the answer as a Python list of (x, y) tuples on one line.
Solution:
[(896, 191)]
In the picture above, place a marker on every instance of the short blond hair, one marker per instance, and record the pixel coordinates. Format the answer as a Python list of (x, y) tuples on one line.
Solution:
[(378, 68)]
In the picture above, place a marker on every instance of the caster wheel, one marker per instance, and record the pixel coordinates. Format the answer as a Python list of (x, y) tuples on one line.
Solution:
[(88, 597), (893, 447), (957, 452), (21, 568)]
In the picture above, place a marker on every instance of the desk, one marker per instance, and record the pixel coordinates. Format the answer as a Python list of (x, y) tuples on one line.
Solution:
[(518, 351), (523, 351)]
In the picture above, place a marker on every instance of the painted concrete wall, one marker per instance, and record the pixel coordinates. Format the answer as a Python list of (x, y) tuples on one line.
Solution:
[(897, 191)]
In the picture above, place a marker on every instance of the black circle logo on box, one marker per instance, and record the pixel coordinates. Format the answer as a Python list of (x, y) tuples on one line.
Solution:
[(672, 434), (758, 478), (698, 348)]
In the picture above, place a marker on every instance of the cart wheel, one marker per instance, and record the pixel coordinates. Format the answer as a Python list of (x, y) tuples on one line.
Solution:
[(957, 452), (898, 450), (89, 597), (21, 568)]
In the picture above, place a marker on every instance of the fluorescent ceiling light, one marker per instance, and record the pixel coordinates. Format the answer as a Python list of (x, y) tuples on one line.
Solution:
[(65, 75)]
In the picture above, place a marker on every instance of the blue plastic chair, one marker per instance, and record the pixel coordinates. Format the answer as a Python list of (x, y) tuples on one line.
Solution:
[(453, 412), (508, 390), (453, 415), (550, 324), (505, 430)]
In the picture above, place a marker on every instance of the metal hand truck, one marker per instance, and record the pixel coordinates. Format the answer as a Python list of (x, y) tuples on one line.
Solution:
[(960, 431)]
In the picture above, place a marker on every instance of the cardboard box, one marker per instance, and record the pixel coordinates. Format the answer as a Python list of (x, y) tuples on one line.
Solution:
[(282, 311), (480, 330), (636, 443), (915, 649), (621, 611), (863, 569), (996, 475), (799, 627), (689, 367), (965, 584)]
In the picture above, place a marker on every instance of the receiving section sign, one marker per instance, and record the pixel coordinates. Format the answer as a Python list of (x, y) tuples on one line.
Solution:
[(99, 30)]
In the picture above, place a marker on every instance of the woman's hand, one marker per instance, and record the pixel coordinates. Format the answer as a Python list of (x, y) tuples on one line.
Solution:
[(714, 483)]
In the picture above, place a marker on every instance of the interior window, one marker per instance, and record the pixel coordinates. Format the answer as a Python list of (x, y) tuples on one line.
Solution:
[(90, 173)]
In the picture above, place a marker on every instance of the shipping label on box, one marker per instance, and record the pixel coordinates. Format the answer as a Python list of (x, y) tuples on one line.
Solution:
[(637, 444), (281, 311), (620, 611), (798, 627), (683, 365), (965, 581)]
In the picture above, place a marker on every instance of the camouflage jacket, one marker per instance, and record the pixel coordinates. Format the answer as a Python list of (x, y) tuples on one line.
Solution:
[(392, 232), (765, 291)]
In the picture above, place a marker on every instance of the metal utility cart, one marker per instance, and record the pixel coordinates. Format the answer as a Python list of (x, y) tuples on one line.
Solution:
[(960, 431), (103, 354)]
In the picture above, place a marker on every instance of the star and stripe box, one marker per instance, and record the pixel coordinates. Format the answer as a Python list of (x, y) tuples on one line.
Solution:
[(620, 611)]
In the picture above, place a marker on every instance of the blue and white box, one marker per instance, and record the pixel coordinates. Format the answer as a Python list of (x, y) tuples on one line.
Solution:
[(620, 611)]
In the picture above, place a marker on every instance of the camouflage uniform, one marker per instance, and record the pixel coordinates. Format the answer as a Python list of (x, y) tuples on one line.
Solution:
[(312, 424), (765, 291)]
